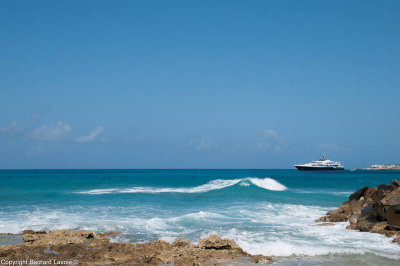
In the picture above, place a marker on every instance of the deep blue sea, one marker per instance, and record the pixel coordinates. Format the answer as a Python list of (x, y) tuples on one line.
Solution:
[(268, 212)]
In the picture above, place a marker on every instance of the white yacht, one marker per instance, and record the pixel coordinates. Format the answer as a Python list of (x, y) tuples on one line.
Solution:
[(322, 164)]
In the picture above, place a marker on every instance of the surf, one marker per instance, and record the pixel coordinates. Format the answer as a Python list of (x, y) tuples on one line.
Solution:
[(265, 183)]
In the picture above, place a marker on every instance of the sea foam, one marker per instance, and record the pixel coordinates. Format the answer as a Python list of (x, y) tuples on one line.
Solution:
[(265, 183), (262, 228)]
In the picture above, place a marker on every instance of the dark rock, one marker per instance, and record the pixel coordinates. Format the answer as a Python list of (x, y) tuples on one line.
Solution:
[(358, 194), (363, 225), (369, 194), (382, 187), (371, 209), (343, 213), (391, 187), (393, 217), (395, 183), (393, 198)]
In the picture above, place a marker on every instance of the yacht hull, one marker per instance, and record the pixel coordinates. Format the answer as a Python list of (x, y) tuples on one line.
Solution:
[(312, 168)]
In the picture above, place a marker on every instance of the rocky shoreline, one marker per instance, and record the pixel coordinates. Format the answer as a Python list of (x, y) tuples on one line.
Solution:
[(371, 209), (91, 248)]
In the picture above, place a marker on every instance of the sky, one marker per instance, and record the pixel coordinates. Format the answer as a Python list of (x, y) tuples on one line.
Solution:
[(198, 84)]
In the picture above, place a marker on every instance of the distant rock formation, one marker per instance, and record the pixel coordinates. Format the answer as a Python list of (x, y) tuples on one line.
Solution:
[(90, 248), (371, 209)]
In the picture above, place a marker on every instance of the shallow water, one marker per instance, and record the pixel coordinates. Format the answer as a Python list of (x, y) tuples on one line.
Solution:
[(271, 212)]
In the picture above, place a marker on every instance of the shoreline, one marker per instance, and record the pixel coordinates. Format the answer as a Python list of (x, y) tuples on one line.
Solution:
[(91, 248), (63, 247), (371, 209), (257, 218)]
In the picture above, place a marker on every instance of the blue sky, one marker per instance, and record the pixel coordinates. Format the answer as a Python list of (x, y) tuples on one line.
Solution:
[(198, 84)]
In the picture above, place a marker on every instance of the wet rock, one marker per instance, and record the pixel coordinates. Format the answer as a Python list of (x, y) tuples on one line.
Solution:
[(371, 209), (109, 234), (325, 224), (397, 240), (368, 213), (343, 213), (261, 259), (380, 228), (361, 225), (353, 219)]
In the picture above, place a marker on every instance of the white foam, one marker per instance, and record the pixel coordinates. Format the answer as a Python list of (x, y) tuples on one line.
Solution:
[(265, 183), (260, 228), (336, 193), (244, 184), (268, 183), (156, 225), (212, 185), (286, 229), (101, 191)]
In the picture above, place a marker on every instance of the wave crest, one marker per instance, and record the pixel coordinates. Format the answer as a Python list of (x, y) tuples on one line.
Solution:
[(268, 183), (265, 183)]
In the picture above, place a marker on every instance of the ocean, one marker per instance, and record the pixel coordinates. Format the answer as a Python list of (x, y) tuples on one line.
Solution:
[(269, 212)]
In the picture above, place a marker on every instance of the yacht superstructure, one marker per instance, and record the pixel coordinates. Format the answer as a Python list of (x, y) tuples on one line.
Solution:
[(320, 165)]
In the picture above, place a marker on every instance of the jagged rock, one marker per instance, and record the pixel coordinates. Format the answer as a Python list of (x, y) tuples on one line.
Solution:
[(91, 248), (343, 213), (369, 194), (395, 183), (181, 242), (358, 194), (393, 198), (380, 228), (216, 242), (393, 216), (59, 237), (372, 209), (368, 214)]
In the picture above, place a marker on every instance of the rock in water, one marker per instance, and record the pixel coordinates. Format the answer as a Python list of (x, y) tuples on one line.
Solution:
[(372, 209)]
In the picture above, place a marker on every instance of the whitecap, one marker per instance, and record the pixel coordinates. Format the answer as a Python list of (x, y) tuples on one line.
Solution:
[(265, 183), (268, 183)]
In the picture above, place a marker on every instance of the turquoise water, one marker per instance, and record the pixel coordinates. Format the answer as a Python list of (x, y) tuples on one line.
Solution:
[(271, 212)]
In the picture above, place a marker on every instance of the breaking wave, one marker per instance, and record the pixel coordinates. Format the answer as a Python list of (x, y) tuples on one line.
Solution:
[(265, 183)]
